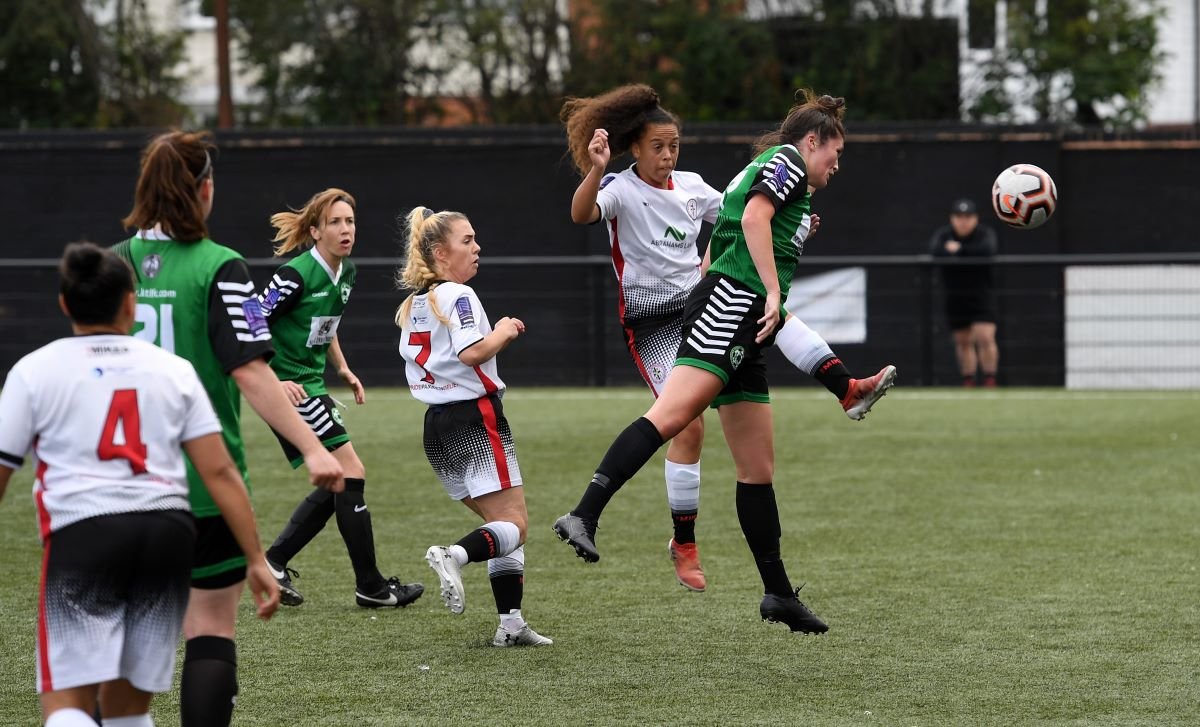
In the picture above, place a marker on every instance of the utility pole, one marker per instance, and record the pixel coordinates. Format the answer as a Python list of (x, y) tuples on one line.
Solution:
[(224, 92)]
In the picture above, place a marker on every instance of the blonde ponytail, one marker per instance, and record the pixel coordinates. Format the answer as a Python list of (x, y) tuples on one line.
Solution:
[(292, 227), (426, 230)]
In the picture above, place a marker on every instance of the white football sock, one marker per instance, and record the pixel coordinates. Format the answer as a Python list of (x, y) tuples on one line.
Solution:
[(459, 554), (511, 564), (683, 486), (513, 620), (801, 345), (136, 720), (70, 717), (508, 536)]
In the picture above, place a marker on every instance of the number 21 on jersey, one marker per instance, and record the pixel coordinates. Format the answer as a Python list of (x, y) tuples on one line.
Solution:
[(158, 325)]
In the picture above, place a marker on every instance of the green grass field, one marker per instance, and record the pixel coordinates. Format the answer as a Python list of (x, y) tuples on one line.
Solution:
[(1011, 557)]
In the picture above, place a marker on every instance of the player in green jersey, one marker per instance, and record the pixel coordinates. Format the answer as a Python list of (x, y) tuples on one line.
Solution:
[(730, 318), (195, 298), (656, 273), (303, 305)]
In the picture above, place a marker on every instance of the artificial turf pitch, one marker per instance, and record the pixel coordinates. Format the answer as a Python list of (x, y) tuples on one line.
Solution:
[(1007, 557)]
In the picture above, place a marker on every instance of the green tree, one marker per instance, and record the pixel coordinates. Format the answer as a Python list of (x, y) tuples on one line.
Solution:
[(708, 59), (363, 62), (890, 65), (518, 50), (1085, 61), (50, 64), (59, 68), (141, 83)]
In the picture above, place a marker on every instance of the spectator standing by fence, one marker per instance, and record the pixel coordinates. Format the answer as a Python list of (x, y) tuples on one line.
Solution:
[(969, 292)]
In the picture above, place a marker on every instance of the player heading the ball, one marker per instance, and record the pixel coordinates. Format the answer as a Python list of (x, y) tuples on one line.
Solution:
[(753, 259)]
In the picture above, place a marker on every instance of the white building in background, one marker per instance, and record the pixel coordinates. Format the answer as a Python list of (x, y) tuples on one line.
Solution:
[(199, 66), (1175, 101)]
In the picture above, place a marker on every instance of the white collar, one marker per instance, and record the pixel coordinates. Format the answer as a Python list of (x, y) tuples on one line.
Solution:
[(333, 275), (154, 233)]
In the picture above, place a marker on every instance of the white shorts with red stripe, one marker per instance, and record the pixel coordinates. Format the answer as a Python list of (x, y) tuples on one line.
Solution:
[(470, 447), (654, 343)]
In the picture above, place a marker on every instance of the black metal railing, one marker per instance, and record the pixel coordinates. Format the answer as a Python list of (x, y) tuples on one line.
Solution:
[(569, 305)]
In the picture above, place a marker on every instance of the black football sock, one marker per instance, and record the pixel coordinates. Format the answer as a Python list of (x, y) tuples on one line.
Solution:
[(209, 685), (307, 520), (507, 589), (834, 376), (685, 526), (354, 523), (480, 545), (759, 518), (629, 452)]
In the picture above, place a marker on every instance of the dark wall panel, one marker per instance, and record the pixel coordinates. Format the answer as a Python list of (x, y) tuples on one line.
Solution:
[(894, 188)]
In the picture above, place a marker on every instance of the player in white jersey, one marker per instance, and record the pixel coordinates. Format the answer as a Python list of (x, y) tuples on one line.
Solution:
[(449, 348), (654, 215), (107, 417)]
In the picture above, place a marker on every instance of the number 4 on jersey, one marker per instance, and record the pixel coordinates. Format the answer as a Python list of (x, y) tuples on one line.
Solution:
[(123, 411)]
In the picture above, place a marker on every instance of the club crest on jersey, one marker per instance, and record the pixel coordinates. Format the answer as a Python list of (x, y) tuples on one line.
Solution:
[(462, 307), (151, 265), (345, 293), (693, 208), (736, 354)]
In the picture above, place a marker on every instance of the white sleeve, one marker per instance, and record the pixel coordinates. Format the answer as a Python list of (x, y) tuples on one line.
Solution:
[(464, 314), (712, 204), (199, 417), (16, 421), (608, 199)]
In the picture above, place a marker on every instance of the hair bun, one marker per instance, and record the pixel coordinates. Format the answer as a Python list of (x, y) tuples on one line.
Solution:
[(829, 103), (653, 100), (83, 259)]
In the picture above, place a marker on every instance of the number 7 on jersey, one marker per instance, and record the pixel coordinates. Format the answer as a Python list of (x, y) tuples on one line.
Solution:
[(423, 340)]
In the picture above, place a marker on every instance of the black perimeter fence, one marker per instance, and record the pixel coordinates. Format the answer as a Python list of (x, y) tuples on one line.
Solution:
[(569, 305), (1125, 203)]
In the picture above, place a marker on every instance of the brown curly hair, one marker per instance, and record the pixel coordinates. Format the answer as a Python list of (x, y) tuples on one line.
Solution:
[(821, 114), (624, 112)]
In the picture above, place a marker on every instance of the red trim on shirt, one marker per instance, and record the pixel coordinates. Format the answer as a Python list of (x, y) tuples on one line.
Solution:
[(491, 424), (43, 633), (489, 386), (40, 478), (619, 267)]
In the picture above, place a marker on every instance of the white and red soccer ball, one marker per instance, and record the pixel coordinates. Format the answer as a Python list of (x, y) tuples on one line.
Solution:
[(1024, 196)]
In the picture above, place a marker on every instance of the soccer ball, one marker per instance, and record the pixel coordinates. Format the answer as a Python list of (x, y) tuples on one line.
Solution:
[(1024, 196)]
